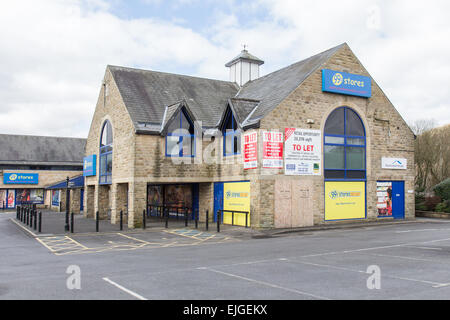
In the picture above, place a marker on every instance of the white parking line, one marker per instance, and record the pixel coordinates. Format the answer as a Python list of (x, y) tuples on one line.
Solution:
[(433, 283), (425, 248), (266, 284), (134, 294)]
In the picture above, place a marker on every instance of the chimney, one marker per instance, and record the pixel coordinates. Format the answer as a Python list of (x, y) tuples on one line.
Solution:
[(244, 68)]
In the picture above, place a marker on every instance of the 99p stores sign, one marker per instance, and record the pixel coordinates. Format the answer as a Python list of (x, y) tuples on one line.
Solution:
[(303, 152)]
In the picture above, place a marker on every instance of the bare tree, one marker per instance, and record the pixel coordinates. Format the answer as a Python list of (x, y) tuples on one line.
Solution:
[(432, 153)]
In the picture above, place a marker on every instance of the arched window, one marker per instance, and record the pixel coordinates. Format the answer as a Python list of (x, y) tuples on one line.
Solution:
[(231, 135), (106, 145), (180, 139), (344, 146)]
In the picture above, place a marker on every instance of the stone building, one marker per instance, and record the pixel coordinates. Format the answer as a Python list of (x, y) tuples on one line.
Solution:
[(29, 164), (313, 143)]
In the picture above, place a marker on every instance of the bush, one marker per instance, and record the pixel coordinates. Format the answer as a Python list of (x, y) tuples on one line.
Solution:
[(432, 202), (443, 207), (421, 207), (443, 189)]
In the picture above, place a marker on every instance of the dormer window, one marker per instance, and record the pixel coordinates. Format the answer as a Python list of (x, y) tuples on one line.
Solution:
[(180, 138), (231, 135)]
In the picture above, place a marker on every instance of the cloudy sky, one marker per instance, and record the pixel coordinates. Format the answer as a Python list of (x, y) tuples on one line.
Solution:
[(53, 53)]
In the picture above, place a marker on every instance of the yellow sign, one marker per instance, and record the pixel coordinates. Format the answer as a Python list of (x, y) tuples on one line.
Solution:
[(345, 200), (236, 196)]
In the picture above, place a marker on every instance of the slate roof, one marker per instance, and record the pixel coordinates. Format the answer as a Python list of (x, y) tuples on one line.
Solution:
[(146, 94), (152, 97), (274, 87), (22, 149)]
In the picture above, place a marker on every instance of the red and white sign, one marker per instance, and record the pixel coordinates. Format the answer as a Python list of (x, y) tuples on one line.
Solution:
[(303, 154), (272, 150), (250, 150)]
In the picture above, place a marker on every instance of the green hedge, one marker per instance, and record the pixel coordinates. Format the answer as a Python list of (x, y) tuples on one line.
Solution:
[(443, 189)]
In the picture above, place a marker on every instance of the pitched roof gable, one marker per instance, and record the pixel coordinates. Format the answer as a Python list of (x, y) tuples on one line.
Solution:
[(146, 94), (274, 87), (152, 97)]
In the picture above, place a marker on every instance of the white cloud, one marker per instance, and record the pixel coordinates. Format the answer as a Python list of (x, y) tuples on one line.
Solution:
[(402, 46), (54, 53)]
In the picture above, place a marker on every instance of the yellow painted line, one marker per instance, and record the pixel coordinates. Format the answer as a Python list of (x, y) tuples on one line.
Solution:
[(45, 245), (181, 234), (132, 238), (74, 241)]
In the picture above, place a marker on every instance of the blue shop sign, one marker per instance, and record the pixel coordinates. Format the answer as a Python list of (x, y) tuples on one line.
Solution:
[(346, 83), (90, 165), (21, 178)]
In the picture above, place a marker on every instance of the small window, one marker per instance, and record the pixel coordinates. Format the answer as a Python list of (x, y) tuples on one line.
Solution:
[(231, 135), (180, 139)]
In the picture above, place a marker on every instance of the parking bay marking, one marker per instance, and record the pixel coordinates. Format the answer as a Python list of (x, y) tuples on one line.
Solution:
[(134, 294), (264, 283)]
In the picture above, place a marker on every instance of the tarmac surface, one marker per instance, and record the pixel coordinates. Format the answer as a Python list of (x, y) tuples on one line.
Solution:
[(412, 261)]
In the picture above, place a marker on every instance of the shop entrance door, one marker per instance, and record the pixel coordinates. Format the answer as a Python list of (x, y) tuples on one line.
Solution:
[(218, 198), (398, 199)]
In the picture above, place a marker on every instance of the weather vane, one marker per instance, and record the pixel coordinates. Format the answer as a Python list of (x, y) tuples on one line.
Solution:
[(245, 46)]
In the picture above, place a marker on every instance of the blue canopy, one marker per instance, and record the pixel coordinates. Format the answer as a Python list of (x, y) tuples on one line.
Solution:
[(76, 182)]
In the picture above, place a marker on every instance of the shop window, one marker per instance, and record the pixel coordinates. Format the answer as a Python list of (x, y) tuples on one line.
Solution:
[(106, 146), (344, 146), (231, 135), (180, 139)]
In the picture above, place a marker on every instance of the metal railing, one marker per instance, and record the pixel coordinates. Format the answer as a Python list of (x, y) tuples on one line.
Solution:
[(233, 212)]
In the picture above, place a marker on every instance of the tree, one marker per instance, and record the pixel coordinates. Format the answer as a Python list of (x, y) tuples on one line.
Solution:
[(432, 154)]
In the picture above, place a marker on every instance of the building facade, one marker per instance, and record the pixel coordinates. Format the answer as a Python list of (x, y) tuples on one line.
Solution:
[(29, 164), (314, 143)]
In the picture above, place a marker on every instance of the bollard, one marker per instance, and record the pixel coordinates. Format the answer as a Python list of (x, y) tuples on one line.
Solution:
[(96, 221), (71, 222), (35, 220), (21, 214), (121, 220), (143, 219), (40, 222), (218, 220), (197, 213), (17, 212), (28, 216), (166, 216), (207, 220), (246, 220), (186, 217), (31, 218)]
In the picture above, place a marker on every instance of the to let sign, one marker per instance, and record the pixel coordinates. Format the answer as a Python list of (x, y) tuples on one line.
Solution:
[(303, 153), (250, 150), (272, 150)]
